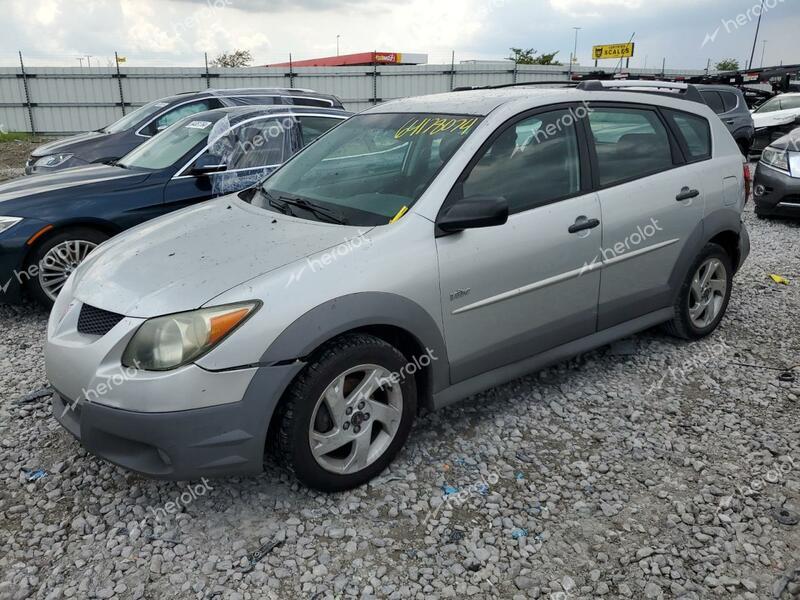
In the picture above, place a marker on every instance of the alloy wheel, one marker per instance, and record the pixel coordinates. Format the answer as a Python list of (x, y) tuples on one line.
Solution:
[(60, 262), (707, 293), (355, 419)]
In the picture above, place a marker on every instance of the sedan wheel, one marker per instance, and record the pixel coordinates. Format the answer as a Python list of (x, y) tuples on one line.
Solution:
[(59, 263)]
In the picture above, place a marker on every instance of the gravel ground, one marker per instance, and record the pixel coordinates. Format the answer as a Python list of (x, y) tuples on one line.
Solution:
[(13, 156), (652, 468)]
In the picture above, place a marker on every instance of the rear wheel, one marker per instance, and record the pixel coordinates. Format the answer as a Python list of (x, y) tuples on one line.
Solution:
[(348, 413), (704, 295), (56, 258)]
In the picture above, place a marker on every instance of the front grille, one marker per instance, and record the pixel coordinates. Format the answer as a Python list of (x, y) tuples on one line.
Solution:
[(95, 321)]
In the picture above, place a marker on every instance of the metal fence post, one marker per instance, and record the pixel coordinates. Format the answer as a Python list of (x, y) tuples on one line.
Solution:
[(208, 75), (374, 77), (516, 70), (27, 93), (291, 71), (453, 71), (119, 81)]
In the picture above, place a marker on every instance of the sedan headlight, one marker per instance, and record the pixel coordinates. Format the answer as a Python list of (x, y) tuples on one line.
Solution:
[(778, 159), (52, 160), (165, 343), (8, 222)]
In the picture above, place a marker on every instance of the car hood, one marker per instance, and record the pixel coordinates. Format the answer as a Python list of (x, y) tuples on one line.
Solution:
[(791, 141), (68, 144), (772, 119), (15, 193), (180, 261)]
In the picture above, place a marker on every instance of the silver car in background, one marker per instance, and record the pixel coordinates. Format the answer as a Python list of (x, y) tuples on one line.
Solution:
[(421, 252)]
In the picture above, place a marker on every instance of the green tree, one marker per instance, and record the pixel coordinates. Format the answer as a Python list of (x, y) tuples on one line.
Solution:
[(727, 64), (231, 60), (528, 56)]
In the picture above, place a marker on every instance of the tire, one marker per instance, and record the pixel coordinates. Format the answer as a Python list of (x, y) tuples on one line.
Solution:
[(744, 148), (694, 325), (305, 417), (61, 252)]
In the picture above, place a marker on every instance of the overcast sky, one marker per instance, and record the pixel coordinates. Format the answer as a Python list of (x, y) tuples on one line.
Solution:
[(177, 32)]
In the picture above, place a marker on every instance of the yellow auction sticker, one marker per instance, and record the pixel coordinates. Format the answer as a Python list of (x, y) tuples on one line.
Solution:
[(435, 126)]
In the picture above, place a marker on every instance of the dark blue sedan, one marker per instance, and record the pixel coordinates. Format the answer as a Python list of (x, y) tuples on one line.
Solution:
[(50, 223)]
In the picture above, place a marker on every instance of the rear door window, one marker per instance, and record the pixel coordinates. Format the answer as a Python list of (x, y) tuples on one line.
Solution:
[(695, 133), (714, 100), (730, 100), (630, 143)]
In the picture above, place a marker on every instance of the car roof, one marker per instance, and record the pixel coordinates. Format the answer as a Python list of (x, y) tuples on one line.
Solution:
[(481, 102), (239, 113), (717, 88), (269, 91)]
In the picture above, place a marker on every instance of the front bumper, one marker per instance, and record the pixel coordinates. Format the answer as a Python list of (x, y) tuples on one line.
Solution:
[(780, 195), (180, 424), (217, 441)]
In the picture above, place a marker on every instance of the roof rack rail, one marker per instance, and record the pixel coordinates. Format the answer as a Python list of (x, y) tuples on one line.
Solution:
[(467, 88), (685, 91)]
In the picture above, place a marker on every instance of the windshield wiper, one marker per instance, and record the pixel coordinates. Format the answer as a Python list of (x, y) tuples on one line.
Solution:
[(320, 211)]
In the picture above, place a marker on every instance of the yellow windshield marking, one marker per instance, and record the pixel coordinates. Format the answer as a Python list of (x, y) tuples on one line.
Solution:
[(399, 214)]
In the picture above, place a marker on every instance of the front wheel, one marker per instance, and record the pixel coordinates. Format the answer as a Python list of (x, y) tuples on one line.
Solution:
[(704, 295), (54, 260), (348, 414)]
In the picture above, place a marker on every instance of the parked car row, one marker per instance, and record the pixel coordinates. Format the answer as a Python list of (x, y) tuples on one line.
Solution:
[(60, 217), (412, 255)]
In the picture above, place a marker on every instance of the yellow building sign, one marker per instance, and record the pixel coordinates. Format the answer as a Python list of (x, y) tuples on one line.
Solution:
[(613, 51)]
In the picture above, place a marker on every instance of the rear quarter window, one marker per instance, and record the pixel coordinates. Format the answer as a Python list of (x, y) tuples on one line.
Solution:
[(730, 100), (694, 133), (714, 100)]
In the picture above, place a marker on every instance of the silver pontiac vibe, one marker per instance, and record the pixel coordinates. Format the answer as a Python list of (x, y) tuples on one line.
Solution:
[(423, 251)]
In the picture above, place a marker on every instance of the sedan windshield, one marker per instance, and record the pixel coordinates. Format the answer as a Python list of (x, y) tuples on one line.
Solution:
[(169, 146), (132, 118), (369, 169)]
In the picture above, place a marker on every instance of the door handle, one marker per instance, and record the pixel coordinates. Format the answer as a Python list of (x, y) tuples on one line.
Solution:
[(582, 224), (687, 194), (730, 122)]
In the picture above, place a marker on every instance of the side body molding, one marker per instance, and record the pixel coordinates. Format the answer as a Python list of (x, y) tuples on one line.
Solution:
[(363, 309)]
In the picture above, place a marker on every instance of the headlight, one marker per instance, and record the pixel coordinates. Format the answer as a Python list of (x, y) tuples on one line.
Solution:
[(52, 160), (8, 222), (776, 158), (165, 343)]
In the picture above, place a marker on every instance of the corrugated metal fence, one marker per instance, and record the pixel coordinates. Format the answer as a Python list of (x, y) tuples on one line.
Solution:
[(58, 100)]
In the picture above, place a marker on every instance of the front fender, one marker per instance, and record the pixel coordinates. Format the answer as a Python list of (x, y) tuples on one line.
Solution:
[(355, 311)]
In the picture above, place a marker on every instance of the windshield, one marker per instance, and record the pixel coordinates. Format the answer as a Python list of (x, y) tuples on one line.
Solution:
[(371, 168), (779, 103), (134, 117), (172, 144)]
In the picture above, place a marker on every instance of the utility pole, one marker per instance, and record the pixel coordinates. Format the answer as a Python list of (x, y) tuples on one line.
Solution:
[(337, 44), (80, 60), (574, 54), (763, 51), (755, 40), (89, 60)]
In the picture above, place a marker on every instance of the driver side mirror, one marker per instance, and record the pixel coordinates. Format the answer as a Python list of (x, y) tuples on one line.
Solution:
[(472, 213), (208, 164)]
